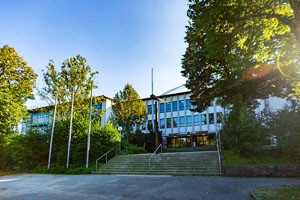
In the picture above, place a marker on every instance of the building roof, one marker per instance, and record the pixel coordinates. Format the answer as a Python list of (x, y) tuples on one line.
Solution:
[(175, 91)]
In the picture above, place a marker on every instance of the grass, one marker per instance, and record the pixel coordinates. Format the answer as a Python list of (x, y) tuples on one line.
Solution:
[(266, 158), (278, 192), (6, 173)]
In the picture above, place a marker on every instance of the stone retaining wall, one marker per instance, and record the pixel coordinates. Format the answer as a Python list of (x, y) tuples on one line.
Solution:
[(262, 171)]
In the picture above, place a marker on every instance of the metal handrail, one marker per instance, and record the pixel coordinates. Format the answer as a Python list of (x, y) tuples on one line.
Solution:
[(105, 154), (154, 153), (218, 142)]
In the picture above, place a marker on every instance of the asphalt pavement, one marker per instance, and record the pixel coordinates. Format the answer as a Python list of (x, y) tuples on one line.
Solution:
[(114, 187)]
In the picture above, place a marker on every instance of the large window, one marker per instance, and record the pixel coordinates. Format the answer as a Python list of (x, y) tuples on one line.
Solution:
[(175, 122), (168, 122), (181, 105), (188, 104), (161, 107), (149, 109), (98, 106), (182, 121), (196, 120), (211, 118), (189, 120), (219, 117), (162, 123), (203, 119), (174, 106), (150, 125), (168, 107)]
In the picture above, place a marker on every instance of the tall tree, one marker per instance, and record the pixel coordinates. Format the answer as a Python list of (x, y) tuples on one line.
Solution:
[(241, 50), (128, 109), (75, 76), (16, 83)]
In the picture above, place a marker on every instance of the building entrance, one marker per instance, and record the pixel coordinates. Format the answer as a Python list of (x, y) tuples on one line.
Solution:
[(190, 140)]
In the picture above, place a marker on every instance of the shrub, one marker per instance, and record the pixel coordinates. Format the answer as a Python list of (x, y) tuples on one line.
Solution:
[(243, 133)]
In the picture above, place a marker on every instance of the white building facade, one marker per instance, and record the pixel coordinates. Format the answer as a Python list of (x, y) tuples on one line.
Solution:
[(42, 117), (179, 125)]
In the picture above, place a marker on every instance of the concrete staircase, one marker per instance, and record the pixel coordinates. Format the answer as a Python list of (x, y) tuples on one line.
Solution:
[(179, 163)]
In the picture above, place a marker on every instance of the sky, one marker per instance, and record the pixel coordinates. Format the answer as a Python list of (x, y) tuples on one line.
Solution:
[(121, 39)]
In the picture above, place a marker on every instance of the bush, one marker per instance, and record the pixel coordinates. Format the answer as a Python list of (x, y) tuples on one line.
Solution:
[(243, 133)]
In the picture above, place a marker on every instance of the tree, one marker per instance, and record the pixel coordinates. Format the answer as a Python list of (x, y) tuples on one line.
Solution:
[(128, 109), (74, 76), (243, 133), (73, 83), (16, 83), (285, 126), (241, 50)]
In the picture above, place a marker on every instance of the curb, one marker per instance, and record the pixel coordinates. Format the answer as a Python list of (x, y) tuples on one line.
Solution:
[(253, 195)]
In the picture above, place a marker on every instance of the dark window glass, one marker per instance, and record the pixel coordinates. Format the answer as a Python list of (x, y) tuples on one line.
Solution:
[(181, 105), (98, 106), (182, 121), (196, 119), (162, 123), (168, 122), (189, 120), (161, 107), (188, 104), (211, 118), (203, 119), (150, 125), (219, 117), (149, 108), (175, 122), (174, 106), (168, 107)]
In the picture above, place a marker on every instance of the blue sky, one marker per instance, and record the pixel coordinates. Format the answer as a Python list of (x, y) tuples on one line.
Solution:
[(122, 39)]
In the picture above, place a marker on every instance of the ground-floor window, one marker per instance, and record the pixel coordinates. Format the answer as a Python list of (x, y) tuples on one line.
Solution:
[(194, 140)]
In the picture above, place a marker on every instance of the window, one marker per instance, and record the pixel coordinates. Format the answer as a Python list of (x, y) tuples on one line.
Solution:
[(189, 120), (162, 123), (150, 125), (161, 107), (188, 104), (168, 107), (203, 119), (182, 121), (219, 117), (168, 122), (174, 106), (181, 105), (211, 118), (98, 106), (175, 122), (149, 108), (196, 120), (144, 126)]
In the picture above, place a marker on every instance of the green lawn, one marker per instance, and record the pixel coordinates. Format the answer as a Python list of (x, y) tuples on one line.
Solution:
[(278, 192), (267, 158)]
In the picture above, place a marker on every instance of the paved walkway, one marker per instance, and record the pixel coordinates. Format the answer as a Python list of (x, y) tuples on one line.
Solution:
[(131, 187)]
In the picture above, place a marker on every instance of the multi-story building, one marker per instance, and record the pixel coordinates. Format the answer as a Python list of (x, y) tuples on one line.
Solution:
[(42, 117), (180, 126)]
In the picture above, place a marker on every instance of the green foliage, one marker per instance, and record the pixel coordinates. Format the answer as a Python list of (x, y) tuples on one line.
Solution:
[(16, 83), (73, 75), (30, 151), (243, 133), (226, 42), (128, 109), (285, 126), (128, 148)]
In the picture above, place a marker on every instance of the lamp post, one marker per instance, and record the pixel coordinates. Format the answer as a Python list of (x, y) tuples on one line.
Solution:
[(120, 131)]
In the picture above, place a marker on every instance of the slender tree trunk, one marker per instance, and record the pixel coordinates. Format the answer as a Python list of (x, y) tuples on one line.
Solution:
[(70, 129)]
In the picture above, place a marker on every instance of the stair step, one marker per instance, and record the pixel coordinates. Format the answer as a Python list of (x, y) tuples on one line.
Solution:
[(178, 163)]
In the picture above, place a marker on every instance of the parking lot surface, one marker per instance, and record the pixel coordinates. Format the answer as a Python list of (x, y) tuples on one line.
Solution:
[(114, 187)]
